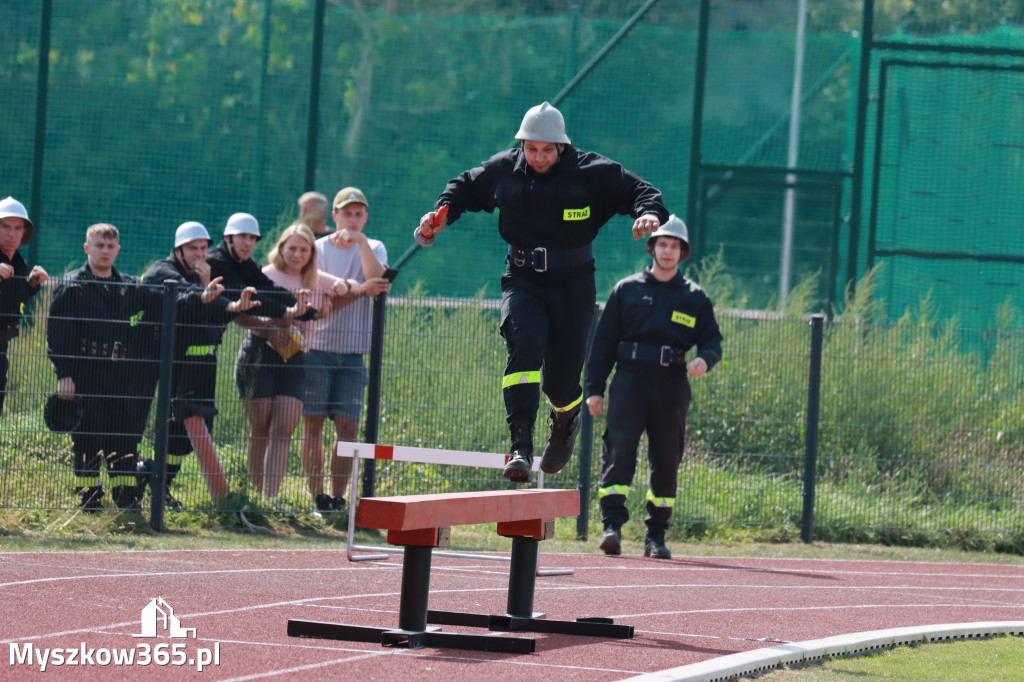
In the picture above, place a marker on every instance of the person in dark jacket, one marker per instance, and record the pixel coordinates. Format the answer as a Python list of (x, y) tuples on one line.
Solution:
[(652, 319), (552, 199), (198, 333), (99, 327), (17, 283), (232, 260)]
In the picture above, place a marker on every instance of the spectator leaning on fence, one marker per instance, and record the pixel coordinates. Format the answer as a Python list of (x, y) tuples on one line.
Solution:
[(99, 324), (313, 212), (17, 283), (270, 368), (651, 320), (232, 260), (335, 371), (194, 376), (552, 199)]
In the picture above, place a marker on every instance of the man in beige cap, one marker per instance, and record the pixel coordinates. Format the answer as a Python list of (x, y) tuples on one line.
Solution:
[(335, 370), (17, 283)]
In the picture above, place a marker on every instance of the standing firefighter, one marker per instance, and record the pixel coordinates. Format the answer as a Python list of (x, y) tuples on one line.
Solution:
[(100, 324), (197, 335), (17, 283), (651, 320), (552, 199)]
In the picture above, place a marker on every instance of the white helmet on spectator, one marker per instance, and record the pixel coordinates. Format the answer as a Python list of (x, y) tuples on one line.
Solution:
[(242, 223), (543, 123), (673, 227), (190, 231), (12, 208)]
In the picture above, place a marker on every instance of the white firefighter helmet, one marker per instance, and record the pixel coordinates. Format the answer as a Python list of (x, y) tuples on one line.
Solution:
[(12, 208), (673, 227), (543, 123), (242, 223), (190, 231)]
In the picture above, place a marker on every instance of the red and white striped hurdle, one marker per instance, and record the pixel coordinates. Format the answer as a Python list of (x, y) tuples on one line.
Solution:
[(404, 453)]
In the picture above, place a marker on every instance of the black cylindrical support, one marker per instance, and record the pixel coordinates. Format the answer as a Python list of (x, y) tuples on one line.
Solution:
[(158, 475), (522, 577), (412, 611), (586, 446), (811, 432)]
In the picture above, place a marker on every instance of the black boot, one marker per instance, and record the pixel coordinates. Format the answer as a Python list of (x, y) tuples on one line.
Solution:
[(611, 542), (92, 499), (654, 545), (126, 497), (520, 459), (143, 470), (565, 426)]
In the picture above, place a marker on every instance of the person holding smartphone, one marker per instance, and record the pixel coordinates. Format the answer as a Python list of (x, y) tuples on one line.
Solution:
[(336, 373)]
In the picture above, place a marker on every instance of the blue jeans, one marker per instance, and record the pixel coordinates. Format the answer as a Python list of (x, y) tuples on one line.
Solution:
[(335, 384)]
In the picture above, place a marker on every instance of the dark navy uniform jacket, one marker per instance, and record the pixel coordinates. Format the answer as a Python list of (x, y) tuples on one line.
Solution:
[(677, 313), (561, 209), (14, 291)]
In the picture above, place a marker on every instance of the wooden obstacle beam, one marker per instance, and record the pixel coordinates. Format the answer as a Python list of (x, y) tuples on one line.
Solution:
[(423, 522), (400, 453)]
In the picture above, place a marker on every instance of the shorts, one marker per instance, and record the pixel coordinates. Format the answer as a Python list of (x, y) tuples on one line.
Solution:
[(260, 372), (335, 383)]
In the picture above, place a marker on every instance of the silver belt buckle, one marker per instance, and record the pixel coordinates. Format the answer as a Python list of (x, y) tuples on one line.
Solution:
[(541, 250), (661, 357)]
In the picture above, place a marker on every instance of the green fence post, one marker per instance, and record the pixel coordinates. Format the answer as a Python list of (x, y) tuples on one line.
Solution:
[(811, 431), (373, 393), (158, 476)]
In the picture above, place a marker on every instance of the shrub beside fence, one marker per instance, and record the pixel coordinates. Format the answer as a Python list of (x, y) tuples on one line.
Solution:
[(918, 437)]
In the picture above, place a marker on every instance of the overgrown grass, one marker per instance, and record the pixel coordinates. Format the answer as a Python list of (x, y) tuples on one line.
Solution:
[(919, 432)]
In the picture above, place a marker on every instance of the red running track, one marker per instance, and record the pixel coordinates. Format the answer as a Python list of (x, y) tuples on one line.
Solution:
[(685, 610)]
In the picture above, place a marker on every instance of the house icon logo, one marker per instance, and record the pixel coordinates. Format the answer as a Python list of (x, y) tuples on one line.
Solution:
[(158, 619)]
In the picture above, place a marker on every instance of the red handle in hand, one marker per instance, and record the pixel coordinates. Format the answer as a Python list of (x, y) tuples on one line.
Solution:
[(441, 213)]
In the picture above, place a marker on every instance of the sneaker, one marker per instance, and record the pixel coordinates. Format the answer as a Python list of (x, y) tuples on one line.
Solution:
[(611, 542), (324, 505), (173, 503)]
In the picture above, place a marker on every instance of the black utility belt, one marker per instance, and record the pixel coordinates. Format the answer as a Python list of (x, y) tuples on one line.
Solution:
[(115, 350), (543, 259), (649, 354)]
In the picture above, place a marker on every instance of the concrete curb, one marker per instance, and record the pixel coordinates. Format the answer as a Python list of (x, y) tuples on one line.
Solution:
[(762, 660)]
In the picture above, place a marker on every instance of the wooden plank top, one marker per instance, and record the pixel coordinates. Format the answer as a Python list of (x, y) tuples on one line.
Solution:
[(410, 512)]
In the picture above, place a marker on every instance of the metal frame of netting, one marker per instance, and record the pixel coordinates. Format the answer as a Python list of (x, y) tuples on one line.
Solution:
[(920, 217), (739, 211)]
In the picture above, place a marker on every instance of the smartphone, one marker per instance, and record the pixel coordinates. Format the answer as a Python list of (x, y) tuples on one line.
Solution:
[(390, 274)]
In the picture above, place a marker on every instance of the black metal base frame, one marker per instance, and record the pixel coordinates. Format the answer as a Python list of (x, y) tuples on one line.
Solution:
[(413, 616)]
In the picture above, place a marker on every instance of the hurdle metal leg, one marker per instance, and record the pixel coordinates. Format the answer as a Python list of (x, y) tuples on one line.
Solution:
[(412, 628), (520, 616)]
